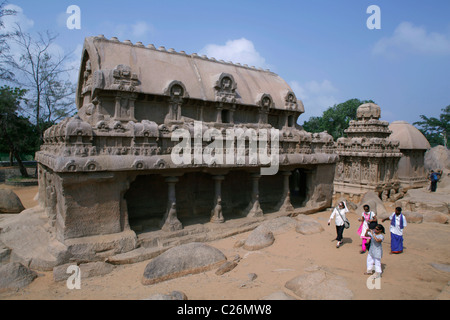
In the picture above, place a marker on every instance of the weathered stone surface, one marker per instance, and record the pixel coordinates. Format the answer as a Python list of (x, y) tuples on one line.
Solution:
[(413, 145), (441, 266), (308, 226), (374, 202), (279, 295), (435, 217), (437, 158), (134, 256), (4, 254), (28, 236), (413, 217), (367, 157), (182, 260), (259, 238), (60, 272), (320, 285), (226, 267), (419, 200), (10, 202), (279, 225), (95, 269), (174, 295), (15, 275)]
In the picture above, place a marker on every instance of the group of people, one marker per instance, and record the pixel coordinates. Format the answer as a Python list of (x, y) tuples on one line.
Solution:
[(371, 233)]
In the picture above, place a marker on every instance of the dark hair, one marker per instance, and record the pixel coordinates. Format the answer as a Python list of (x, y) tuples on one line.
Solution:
[(380, 226), (364, 206), (398, 209)]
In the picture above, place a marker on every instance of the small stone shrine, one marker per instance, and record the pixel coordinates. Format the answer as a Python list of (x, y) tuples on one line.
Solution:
[(413, 145), (368, 160)]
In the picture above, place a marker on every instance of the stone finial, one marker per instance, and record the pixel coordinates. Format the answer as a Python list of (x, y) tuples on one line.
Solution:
[(368, 111)]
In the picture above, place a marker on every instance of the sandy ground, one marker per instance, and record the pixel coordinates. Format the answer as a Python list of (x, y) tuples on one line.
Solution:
[(407, 276)]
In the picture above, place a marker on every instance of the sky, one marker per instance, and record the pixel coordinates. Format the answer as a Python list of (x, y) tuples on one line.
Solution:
[(328, 51)]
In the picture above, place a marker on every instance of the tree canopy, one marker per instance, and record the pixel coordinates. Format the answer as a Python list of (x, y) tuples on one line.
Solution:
[(18, 135), (335, 119), (436, 130)]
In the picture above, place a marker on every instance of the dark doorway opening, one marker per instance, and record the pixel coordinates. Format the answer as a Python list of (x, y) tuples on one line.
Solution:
[(298, 187), (146, 200)]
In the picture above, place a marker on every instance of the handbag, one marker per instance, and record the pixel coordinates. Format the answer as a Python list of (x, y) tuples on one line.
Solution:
[(346, 222)]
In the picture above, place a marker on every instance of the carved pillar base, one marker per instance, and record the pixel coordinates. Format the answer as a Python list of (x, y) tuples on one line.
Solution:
[(170, 221), (216, 213), (254, 208), (285, 203)]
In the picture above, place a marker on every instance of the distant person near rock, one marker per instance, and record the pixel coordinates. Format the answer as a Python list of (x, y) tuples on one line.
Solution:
[(434, 178)]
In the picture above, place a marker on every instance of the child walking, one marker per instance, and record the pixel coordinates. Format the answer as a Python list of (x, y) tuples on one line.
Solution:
[(375, 250)]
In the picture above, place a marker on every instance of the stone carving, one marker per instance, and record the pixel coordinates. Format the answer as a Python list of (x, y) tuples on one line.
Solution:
[(124, 79), (367, 157), (226, 89), (111, 163), (216, 213), (170, 221)]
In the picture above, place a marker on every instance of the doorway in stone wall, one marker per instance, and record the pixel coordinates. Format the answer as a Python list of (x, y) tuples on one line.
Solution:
[(146, 202), (298, 187)]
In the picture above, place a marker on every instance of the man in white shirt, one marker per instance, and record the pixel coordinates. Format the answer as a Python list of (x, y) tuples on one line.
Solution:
[(398, 223)]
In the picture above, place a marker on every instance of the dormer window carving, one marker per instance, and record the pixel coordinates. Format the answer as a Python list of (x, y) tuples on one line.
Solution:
[(226, 89)]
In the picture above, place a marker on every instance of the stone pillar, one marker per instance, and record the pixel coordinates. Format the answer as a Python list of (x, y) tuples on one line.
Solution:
[(216, 213), (219, 109), (254, 208), (170, 221), (285, 202)]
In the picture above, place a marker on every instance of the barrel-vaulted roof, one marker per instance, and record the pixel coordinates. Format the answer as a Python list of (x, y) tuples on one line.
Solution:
[(155, 69)]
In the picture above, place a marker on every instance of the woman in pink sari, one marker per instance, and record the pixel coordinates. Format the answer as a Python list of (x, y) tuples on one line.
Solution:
[(366, 219)]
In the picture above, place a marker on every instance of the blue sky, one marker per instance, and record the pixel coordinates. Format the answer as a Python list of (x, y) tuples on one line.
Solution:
[(322, 48)]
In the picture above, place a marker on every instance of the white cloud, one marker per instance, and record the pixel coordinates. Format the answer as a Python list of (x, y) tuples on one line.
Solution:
[(135, 32), (408, 38), (316, 96), (237, 51), (10, 22)]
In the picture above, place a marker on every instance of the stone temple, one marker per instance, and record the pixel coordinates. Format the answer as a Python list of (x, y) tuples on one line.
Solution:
[(413, 145), (368, 159), (107, 175)]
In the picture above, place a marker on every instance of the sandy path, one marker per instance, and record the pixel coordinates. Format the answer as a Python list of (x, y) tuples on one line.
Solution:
[(406, 276)]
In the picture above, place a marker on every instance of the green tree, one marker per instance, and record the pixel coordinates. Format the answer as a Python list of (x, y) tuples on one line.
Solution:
[(436, 130), (17, 133), (335, 119)]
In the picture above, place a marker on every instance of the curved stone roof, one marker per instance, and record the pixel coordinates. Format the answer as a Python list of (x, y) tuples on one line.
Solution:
[(409, 136), (156, 69)]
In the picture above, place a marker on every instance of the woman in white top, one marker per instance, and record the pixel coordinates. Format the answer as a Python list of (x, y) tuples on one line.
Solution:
[(339, 215)]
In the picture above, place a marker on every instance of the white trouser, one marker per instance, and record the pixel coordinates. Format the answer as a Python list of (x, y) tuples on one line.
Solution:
[(371, 261)]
